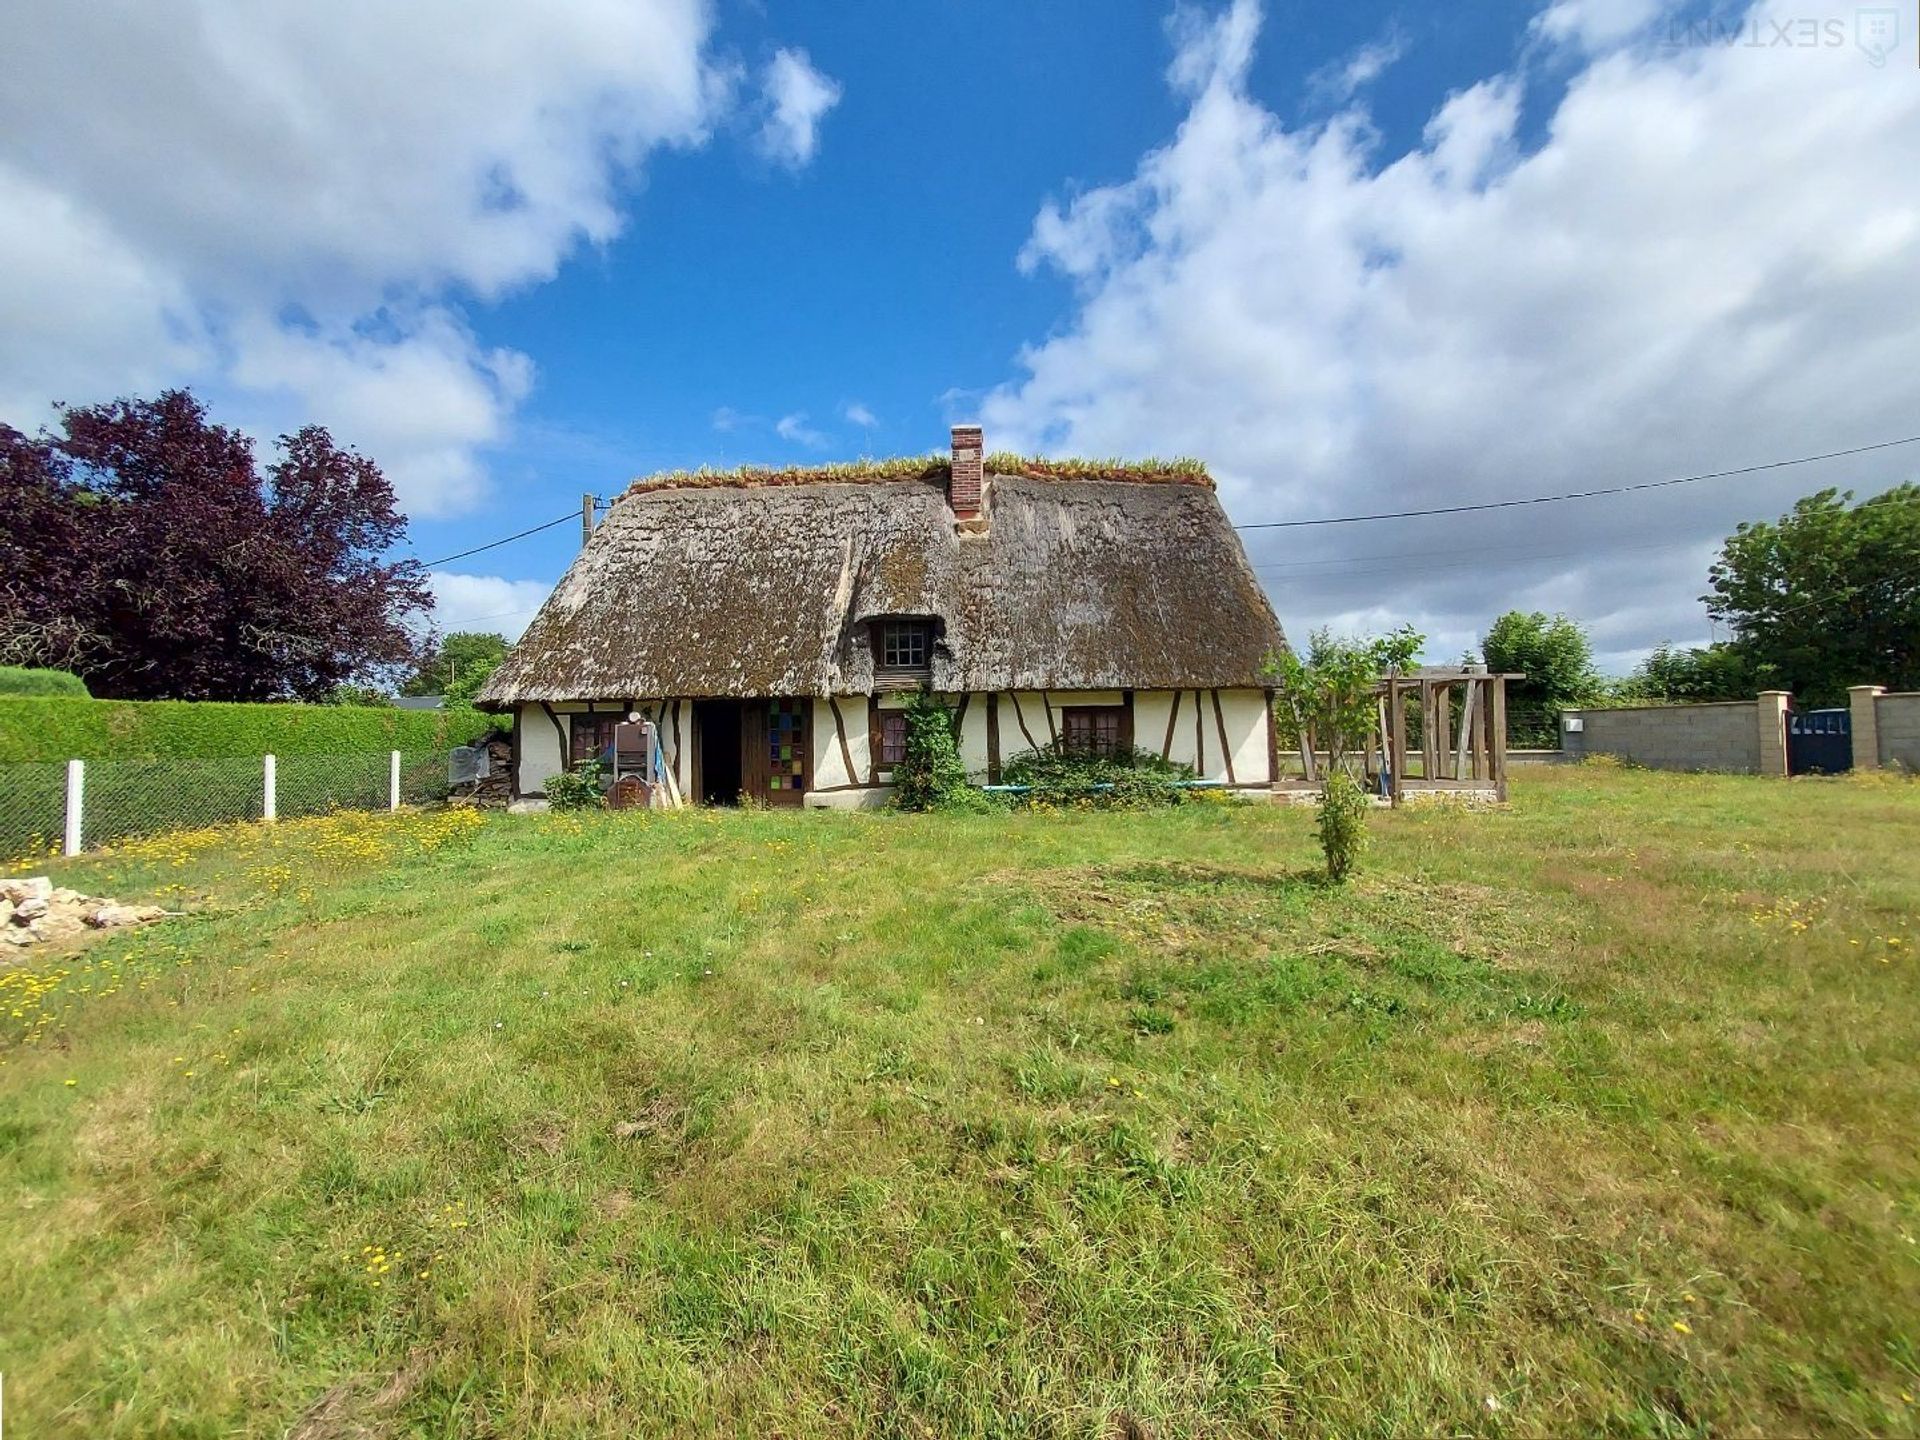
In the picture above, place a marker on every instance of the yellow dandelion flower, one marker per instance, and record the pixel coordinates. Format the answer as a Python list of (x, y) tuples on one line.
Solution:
[(1683, 1327)]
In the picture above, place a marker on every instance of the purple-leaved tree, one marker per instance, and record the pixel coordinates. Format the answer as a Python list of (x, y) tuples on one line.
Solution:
[(143, 549)]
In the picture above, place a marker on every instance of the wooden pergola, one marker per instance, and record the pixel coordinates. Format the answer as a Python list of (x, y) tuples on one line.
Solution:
[(1457, 718), (1462, 721)]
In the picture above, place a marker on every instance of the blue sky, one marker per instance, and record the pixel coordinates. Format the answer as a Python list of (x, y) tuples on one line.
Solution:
[(1356, 257)]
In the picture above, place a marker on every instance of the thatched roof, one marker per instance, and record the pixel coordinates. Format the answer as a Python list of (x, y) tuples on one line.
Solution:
[(706, 584)]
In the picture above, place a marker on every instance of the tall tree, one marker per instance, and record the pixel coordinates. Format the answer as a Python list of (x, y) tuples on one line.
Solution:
[(155, 559), (1554, 655), (1718, 672), (461, 661), (1827, 596)]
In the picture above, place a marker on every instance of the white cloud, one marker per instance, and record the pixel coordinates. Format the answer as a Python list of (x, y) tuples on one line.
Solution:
[(485, 602), (858, 414), (1700, 265), (1594, 24), (795, 430), (799, 96), (1340, 80), (236, 196)]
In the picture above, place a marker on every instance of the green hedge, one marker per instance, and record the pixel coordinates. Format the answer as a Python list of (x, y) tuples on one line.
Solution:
[(42, 728), (18, 680)]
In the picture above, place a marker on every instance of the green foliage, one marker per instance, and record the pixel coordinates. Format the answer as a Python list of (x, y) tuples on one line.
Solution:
[(1552, 652), (932, 776), (459, 666), (1343, 823), (358, 695), (1827, 597), (576, 789), (1124, 780), (22, 680), (1719, 672), (1556, 657), (1327, 702), (58, 728), (467, 681)]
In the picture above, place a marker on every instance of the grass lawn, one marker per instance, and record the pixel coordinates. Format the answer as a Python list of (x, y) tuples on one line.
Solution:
[(1596, 1115)]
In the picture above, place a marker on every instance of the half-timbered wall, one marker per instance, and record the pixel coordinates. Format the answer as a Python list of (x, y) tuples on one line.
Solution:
[(545, 732), (1223, 734)]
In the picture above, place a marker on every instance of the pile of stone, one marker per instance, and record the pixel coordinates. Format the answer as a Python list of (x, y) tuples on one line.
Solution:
[(33, 910)]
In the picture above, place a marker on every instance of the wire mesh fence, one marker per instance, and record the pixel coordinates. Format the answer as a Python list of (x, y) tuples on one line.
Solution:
[(123, 798), (32, 809), (1533, 727), (144, 797)]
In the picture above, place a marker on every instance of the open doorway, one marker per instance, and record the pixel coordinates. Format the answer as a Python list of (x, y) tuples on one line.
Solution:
[(717, 725)]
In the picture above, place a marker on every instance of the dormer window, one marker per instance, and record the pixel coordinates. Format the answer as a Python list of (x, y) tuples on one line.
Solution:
[(905, 645)]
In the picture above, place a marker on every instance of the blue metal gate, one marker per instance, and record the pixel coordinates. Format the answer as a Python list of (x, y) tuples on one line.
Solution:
[(1819, 742)]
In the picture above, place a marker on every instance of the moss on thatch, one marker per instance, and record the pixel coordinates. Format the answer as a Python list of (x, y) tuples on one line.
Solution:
[(925, 467), (1180, 470)]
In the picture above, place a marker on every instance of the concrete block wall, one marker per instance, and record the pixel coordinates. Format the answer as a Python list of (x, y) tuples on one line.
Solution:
[(1886, 728), (1725, 736)]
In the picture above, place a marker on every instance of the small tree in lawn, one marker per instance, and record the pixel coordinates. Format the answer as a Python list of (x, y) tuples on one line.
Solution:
[(1331, 700)]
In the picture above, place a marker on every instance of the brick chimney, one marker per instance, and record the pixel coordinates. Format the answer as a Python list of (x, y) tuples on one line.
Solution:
[(963, 482)]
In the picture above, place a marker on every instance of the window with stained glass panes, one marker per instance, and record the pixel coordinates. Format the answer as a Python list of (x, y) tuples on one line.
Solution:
[(786, 748)]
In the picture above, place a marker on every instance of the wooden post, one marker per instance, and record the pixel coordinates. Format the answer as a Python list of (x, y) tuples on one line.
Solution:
[(586, 520), (393, 780), (1427, 765), (269, 798), (1479, 690), (1442, 727), (1497, 734), (1396, 738), (1469, 727)]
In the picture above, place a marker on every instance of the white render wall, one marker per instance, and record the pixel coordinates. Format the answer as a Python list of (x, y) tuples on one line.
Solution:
[(541, 752)]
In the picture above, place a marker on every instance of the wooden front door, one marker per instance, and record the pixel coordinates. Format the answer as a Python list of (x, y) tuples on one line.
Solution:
[(776, 741)]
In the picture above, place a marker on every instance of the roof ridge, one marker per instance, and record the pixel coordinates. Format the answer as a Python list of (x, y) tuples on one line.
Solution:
[(869, 471)]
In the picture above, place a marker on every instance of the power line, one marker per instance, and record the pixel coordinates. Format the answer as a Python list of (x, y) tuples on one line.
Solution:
[(1478, 561), (1576, 494), (1377, 515), (503, 540), (521, 535), (497, 615)]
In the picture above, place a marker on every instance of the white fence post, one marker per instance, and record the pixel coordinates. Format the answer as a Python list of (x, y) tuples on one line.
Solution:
[(76, 805), (269, 802), (393, 780)]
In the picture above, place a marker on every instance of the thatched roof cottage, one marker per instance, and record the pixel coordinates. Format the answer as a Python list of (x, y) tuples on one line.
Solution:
[(773, 623)]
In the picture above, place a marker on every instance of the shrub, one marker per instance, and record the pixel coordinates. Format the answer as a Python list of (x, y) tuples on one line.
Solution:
[(49, 727), (18, 680), (932, 776), (576, 789), (1343, 823), (1124, 780)]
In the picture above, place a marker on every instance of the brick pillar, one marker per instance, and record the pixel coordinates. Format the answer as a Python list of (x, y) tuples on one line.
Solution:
[(1772, 708), (1864, 702), (963, 483)]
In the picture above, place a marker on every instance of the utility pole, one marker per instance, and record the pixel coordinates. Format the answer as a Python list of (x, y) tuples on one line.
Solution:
[(586, 519)]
